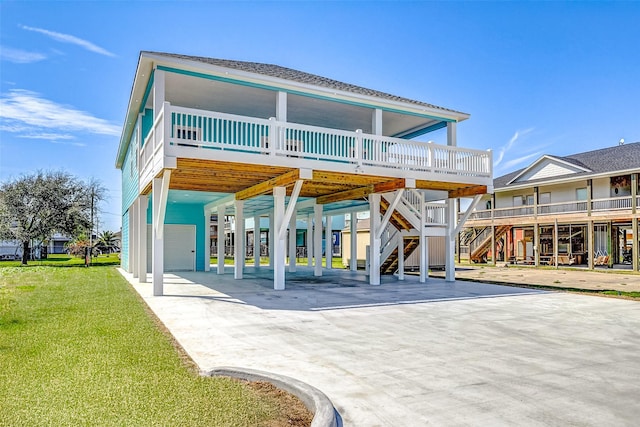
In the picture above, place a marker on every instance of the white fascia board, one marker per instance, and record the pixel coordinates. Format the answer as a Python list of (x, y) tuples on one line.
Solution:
[(564, 180), (547, 157), (279, 83), (143, 71)]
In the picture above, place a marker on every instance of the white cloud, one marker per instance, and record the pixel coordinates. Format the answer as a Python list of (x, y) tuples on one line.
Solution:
[(49, 136), (28, 115), (504, 149), (20, 56), (68, 38), (511, 163)]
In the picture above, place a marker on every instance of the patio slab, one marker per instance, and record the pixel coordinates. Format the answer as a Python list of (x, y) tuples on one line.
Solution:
[(412, 354)]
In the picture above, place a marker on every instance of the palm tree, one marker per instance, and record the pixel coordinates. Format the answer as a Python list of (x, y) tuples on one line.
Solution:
[(106, 241)]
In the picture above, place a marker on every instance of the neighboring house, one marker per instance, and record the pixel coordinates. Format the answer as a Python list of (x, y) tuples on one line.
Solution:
[(302, 237), (57, 244), (251, 140), (576, 210)]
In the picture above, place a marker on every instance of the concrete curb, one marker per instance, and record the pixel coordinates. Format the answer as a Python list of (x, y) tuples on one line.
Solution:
[(324, 414)]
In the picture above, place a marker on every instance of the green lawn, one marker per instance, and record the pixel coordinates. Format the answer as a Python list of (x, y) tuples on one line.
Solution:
[(63, 260), (77, 347)]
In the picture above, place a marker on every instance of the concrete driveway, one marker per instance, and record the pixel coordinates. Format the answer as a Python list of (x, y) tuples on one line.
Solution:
[(411, 354)]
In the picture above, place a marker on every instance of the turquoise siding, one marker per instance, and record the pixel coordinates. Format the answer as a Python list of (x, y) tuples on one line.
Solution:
[(182, 213), (124, 250), (147, 124), (130, 173)]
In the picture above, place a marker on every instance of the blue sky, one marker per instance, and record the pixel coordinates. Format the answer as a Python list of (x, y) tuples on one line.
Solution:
[(536, 77)]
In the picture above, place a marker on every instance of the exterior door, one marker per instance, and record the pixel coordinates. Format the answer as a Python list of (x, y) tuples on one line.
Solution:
[(179, 247)]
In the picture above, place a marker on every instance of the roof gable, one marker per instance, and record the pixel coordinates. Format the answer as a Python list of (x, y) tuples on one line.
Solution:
[(616, 159), (548, 167)]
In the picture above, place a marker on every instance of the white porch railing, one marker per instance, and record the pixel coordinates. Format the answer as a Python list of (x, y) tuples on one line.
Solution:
[(563, 207), (207, 130), (515, 211), (436, 213), (612, 203)]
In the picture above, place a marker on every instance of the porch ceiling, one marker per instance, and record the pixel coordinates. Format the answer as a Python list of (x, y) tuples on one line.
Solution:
[(252, 182), (214, 95)]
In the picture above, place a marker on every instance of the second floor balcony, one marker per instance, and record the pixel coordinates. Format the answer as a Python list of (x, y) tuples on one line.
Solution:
[(179, 132), (593, 207)]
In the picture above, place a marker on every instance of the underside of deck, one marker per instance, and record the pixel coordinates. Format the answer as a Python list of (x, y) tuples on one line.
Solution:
[(247, 180)]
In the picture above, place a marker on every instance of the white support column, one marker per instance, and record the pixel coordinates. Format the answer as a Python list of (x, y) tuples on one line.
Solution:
[(272, 237), (143, 202), (452, 134), (256, 241), (375, 239), (158, 92), (424, 241), (353, 263), (160, 189), (449, 242), (328, 242), (317, 240), (281, 106), (292, 243), (207, 240), (279, 194), (376, 122), (400, 256), (239, 249), (310, 240), (222, 213), (134, 223)]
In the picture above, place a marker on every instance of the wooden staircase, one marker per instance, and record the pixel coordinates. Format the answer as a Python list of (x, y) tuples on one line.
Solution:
[(482, 243), (390, 265)]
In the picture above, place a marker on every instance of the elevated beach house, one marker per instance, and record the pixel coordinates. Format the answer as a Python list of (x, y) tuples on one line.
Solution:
[(577, 210), (207, 136)]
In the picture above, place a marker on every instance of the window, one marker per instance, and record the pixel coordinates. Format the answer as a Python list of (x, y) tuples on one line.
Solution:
[(517, 201), (529, 200), (545, 198), (581, 194)]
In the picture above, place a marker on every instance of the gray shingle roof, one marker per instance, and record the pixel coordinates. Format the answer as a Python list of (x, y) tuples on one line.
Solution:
[(298, 76), (604, 160)]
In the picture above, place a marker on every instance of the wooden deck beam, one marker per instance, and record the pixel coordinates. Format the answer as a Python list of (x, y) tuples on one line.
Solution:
[(284, 180), (468, 191), (353, 194)]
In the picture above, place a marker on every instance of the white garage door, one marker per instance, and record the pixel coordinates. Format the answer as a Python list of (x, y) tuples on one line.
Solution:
[(179, 247)]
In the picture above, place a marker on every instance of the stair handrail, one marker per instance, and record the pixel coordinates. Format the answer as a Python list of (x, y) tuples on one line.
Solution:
[(479, 239)]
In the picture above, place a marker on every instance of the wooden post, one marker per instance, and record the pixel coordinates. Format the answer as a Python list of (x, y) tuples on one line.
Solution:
[(493, 244), (609, 244), (591, 245), (634, 247), (536, 243), (555, 243)]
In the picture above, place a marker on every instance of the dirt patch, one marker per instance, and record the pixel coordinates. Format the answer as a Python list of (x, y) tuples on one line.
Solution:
[(291, 410)]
